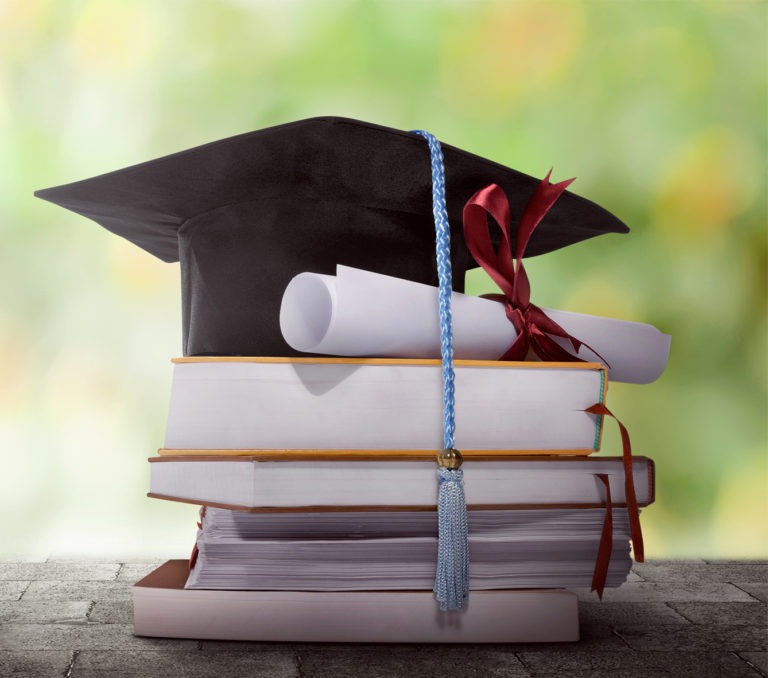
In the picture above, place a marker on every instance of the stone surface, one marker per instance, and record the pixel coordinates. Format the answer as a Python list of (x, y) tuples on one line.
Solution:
[(405, 660), (636, 664), (59, 571), (112, 612), (20, 664), (757, 591), (130, 573), (628, 614), (595, 637), (651, 592), (755, 614), (12, 590), (757, 659), (700, 572), (170, 663), (45, 611), (692, 637), (82, 636), (74, 590), (672, 618)]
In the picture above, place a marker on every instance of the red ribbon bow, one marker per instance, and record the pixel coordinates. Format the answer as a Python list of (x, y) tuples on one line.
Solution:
[(534, 328)]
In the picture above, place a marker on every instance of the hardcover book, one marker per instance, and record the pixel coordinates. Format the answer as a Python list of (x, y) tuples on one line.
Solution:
[(319, 480), (382, 404)]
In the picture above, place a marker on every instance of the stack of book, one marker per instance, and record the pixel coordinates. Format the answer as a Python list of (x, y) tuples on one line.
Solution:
[(317, 481), (317, 476)]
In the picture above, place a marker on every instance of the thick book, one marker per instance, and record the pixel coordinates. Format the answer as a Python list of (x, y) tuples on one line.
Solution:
[(378, 404), (162, 607), (552, 548), (328, 482)]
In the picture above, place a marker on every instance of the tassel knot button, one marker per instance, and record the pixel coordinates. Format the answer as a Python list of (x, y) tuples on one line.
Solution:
[(449, 458)]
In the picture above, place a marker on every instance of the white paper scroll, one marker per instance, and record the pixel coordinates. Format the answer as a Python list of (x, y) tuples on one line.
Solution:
[(359, 313)]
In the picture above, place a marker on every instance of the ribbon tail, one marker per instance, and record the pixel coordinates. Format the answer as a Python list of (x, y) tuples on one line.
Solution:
[(580, 344), (629, 483), (549, 350), (195, 550), (541, 201), (544, 324), (452, 578), (193, 556), (603, 559)]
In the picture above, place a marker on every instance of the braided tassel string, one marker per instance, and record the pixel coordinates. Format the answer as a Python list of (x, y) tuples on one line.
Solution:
[(452, 577)]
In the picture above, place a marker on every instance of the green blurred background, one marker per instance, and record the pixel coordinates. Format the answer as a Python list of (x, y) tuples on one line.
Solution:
[(659, 109)]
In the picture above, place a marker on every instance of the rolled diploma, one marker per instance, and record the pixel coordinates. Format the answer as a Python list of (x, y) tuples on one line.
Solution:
[(359, 313)]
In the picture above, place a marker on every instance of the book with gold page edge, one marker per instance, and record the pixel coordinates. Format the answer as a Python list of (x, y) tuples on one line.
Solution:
[(347, 406), (259, 483)]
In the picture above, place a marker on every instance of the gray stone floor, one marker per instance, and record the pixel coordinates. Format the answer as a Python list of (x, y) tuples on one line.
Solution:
[(672, 618)]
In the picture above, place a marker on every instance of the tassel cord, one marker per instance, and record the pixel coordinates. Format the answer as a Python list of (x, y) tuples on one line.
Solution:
[(452, 576)]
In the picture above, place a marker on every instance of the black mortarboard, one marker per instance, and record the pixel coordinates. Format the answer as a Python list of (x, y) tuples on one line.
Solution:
[(246, 214)]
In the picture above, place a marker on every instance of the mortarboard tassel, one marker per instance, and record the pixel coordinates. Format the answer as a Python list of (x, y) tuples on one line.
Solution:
[(452, 577)]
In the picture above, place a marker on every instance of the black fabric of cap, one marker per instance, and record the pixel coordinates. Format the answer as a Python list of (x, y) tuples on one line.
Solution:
[(244, 215)]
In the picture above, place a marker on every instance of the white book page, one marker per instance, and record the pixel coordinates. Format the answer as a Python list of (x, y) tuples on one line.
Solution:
[(252, 405)]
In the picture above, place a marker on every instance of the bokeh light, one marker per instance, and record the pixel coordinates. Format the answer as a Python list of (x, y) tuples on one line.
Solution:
[(658, 108)]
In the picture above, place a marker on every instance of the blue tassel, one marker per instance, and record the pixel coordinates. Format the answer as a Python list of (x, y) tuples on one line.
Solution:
[(452, 577)]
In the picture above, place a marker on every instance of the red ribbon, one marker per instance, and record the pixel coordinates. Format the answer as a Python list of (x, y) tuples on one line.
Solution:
[(636, 533), (193, 556), (534, 328), (195, 551), (606, 541), (629, 483)]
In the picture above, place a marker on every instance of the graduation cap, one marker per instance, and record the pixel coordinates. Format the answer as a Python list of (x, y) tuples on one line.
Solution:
[(244, 215)]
